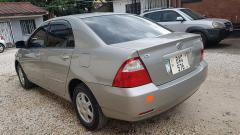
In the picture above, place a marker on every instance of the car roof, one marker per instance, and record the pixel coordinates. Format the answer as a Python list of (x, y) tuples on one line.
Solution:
[(163, 9), (86, 15), (82, 16)]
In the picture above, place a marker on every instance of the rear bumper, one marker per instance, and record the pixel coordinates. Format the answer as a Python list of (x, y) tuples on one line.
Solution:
[(129, 103)]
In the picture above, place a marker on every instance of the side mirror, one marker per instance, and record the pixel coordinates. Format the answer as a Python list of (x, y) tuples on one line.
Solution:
[(180, 19), (20, 44)]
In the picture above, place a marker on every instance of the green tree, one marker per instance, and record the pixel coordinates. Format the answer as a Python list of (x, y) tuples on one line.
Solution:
[(60, 7)]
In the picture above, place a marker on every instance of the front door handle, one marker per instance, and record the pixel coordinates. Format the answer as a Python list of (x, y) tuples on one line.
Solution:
[(65, 57), (37, 54)]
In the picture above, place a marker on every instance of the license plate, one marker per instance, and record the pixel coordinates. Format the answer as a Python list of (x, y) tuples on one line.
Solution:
[(179, 63)]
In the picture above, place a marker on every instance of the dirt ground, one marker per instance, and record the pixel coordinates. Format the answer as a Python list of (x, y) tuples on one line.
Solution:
[(214, 109)]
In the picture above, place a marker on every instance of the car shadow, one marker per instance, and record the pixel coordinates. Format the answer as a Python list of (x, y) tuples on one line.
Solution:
[(54, 98), (218, 46), (124, 127), (235, 34), (113, 126), (229, 42)]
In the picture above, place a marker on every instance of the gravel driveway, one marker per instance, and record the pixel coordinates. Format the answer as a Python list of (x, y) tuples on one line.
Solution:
[(214, 109)]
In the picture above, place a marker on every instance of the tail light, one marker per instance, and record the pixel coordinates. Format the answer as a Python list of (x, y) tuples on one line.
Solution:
[(132, 73), (202, 55)]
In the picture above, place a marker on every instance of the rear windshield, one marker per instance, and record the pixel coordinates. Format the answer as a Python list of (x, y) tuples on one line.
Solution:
[(114, 29)]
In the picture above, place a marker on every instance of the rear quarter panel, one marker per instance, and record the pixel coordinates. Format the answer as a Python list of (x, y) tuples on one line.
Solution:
[(93, 61), (98, 65)]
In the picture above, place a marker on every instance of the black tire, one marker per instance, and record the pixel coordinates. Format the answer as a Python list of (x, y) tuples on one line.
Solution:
[(98, 120), (3, 48), (215, 42), (25, 83), (204, 38)]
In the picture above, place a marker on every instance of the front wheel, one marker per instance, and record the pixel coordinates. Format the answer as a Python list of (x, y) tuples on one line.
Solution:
[(204, 38), (25, 83), (87, 108), (2, 48)]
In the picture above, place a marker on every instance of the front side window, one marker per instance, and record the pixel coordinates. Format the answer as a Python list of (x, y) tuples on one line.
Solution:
[(155, 16), (27, 26), (60, 35), (114, 29), (39, 38), (169, 16)]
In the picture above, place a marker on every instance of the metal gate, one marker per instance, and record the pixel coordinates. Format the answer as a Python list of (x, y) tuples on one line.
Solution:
[(134, 7), (5, 31), (151, 4)]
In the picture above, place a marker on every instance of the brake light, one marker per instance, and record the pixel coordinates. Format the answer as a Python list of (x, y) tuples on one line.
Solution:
[(202, 55), (132, 73)]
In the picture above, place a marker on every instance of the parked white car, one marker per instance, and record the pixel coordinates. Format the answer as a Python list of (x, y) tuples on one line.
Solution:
[(2, 44)]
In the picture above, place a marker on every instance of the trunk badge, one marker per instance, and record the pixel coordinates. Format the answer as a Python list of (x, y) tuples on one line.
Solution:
[(179, 45), (146, 55)]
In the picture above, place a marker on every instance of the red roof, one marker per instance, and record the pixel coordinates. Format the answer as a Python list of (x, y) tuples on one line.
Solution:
[(20, 8)]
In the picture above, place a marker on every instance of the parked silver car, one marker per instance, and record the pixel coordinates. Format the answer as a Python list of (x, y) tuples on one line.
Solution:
[(212, 30), (2, 44), (112, 65)]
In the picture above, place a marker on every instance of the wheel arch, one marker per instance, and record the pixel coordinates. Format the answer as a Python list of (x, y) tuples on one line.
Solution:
[(198, 29), (73, 83), (195, 29), (2, 44)]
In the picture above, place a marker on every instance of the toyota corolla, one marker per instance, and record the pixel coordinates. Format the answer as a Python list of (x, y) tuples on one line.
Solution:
[(112, 65)]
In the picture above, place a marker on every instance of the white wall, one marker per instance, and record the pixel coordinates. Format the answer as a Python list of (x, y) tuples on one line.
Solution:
[(119, 6), (38, 21)]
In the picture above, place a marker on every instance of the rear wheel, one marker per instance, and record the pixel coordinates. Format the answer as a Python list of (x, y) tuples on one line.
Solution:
[(2, 48), (87, 108), (204, 38), (26, 84)]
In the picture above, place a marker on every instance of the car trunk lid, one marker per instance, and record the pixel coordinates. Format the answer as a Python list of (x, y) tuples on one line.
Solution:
[(156, 53)]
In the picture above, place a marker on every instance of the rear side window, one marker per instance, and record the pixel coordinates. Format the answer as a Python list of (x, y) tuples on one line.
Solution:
[(60, 35), (114, 29), (169, 16), (155, 16)]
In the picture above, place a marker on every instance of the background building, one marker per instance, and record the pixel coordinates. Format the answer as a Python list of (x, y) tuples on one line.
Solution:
[(138, 6), (228, 9), (18, 20)]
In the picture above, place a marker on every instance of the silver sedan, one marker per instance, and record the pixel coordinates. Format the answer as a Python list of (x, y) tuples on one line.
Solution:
[(111, 65)]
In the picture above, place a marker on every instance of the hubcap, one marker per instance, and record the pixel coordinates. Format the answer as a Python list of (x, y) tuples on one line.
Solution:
[(84, 107), (1, 48), (21, 77)]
